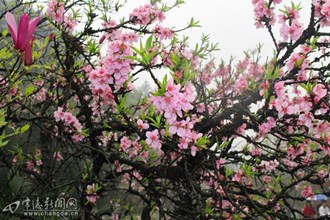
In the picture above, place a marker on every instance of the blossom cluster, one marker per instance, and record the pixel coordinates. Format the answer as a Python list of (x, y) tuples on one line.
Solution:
[(322, 12), (91, 193), (163, 33), (56, 11), (291, 28), (184, 129), (132, 148), (172, 105), (146, 14), (67, 118), (267, 166), (70, 121), (174, 102), (248, 71), (112, 72), (34, 163), (264, 13), (153, 139)]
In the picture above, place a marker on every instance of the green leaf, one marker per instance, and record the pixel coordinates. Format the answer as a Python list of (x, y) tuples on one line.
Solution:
[(157, 121), (228, 171), (25, 128), (150, 56), (247, 170), (5, 53), (2, 118), (4, 33), (271, 73), (266, 93), (29, 90), (137, 50), (121, 106), (194, 23), (222, 145), (134, 58), (148, 44), (142, 51), (308, 87), (237, 217), (3, 143), (202, 142)]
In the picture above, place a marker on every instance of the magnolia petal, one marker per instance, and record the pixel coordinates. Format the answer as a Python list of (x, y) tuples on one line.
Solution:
[(27, 55), (22, 32), (11, 23), (32, 25)]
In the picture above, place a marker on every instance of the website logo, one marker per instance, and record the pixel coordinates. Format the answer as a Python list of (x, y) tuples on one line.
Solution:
[(35, 207)]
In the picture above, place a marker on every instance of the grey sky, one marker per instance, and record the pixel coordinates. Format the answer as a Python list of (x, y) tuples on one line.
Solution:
[(228, 22)]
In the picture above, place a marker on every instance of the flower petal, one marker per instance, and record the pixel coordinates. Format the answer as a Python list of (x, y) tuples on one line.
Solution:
[(32, 25), (27, 54), (11, 22), (22, 32)]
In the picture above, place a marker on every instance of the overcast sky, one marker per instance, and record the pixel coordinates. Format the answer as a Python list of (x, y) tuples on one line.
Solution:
[(228, 22)]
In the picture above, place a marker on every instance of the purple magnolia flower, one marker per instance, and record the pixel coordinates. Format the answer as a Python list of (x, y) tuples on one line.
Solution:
[(22, 34)]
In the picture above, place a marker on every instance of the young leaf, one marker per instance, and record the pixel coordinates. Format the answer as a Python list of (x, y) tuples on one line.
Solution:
[(148, 44)]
